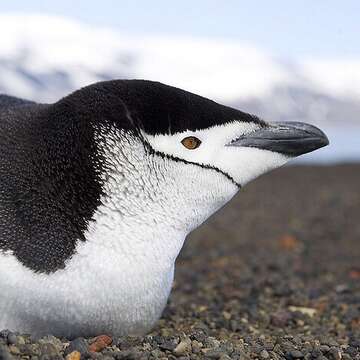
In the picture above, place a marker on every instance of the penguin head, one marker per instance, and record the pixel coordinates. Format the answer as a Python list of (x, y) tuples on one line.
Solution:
[(202, 152), (183, 127)]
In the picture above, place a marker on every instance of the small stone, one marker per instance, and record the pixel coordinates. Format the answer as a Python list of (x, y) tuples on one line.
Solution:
[(75, 355), (211, 342), (342, 288), (100, 343), (168, 345), (125, 354), (225, 357), (48, 349), (14, 350), (354, 274), (234, 325), (280, 318), (20, 340), (196, 346), (213, 354), (226, 315), (156, 353), (324, 349), (296, 354), (304, 310), (12, 339), (346, 357), (289, 242), (334, 343), (183, 347), (335, 353), (264, 354)]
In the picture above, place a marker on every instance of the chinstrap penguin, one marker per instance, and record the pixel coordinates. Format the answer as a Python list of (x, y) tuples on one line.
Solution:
[(99, 190)]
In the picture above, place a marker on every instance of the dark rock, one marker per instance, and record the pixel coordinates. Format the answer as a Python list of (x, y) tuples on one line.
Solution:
[(169, 345), (11, 339), (296, 354), (4, 334), (324, 349), (213, 354)]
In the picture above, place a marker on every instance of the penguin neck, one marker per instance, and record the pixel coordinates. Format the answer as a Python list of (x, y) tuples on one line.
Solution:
[(151, 203)]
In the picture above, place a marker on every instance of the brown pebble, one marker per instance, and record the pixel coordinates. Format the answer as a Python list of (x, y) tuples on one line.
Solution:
[(288, 242), (100, 343), (354, 274), (75, 355)]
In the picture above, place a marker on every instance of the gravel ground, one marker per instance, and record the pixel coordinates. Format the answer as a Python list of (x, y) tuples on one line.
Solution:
[(275, 275)]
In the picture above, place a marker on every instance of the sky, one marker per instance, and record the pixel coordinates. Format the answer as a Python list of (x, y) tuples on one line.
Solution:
[(290, 29)]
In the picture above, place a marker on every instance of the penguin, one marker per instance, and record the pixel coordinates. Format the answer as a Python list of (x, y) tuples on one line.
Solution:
[(99, 190)]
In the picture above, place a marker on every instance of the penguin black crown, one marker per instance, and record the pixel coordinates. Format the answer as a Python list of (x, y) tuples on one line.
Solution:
[(99, 190)]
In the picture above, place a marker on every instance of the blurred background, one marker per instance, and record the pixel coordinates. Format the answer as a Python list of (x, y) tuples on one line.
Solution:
[(280, 60)]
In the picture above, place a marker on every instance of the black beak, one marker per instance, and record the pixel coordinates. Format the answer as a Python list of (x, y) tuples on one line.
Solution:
[(288, 138)]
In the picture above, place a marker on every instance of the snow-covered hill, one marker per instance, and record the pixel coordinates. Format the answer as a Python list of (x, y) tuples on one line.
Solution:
[(45, 57)]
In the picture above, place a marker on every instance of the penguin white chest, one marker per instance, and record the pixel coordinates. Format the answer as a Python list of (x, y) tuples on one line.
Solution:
[(99, 291)]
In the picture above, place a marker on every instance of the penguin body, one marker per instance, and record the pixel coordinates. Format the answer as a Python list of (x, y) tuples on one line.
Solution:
[(99, 190)]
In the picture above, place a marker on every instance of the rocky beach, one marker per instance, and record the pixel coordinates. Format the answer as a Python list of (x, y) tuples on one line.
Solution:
[(273, 275)]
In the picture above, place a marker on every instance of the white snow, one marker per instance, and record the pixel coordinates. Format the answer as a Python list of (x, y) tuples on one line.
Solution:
[(42, 45), (45, 57)]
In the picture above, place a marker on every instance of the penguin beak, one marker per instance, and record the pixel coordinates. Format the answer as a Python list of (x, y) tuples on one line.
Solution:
[(288, 138)]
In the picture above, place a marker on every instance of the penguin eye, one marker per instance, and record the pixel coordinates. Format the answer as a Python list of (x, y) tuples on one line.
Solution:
[(191, 142)]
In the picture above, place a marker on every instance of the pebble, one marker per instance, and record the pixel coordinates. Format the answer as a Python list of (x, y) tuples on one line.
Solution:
[(303, 310), (12, 339), (296, 354), (75, 355), (100, 343), (225, 357), (280, 318), (213, 354), (196, 346), (14, 350), (183, 347), (48, 349), (324, 349), (169, 345)]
